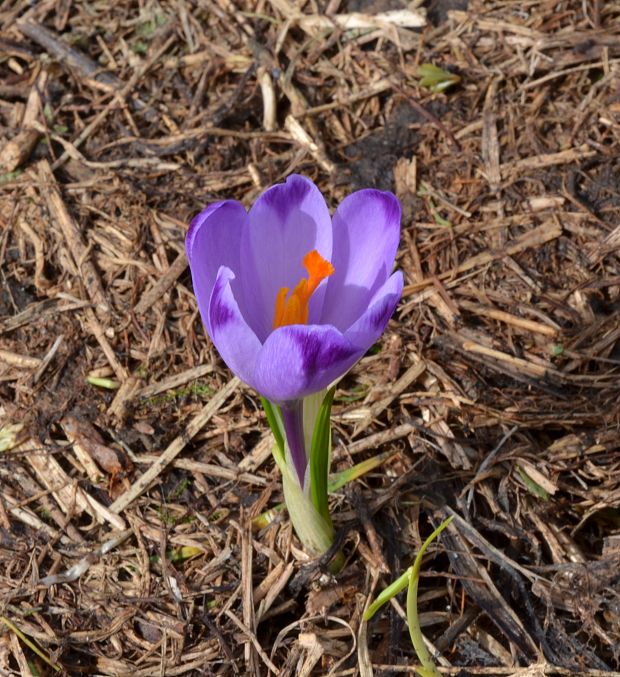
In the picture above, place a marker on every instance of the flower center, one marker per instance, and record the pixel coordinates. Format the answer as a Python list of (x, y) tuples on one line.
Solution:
[(294, 309)]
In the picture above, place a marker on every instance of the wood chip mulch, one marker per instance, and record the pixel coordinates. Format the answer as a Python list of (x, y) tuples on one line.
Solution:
[(132, 463)]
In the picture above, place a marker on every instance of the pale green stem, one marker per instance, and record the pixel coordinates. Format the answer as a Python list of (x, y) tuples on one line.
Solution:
[(316, 534)]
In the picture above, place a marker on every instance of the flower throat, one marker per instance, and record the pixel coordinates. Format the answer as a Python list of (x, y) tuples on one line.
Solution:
[(294, 309)]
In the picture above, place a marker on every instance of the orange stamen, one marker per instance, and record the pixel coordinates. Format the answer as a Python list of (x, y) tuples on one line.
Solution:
[(294, 309)]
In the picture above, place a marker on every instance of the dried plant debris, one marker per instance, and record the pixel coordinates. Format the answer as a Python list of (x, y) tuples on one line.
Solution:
[(132, 465)]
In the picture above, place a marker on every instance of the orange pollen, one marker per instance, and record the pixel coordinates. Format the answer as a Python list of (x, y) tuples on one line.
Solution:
[(294, 309)]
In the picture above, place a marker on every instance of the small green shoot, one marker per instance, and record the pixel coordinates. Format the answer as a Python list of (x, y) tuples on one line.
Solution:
[(436, 79), (48, 113), (426, 194), (218, 516), (340, 479), (179, 490), (148, 28), (28, 642), (166, 517), (532, 487), (100, 382), (140, 47), (183, 553), (197, 389), (266, 518), (10, 176), (439, 220), (9, 435), (428, 668), (178, 554), (356, 394), (33, 668), (411, 579)]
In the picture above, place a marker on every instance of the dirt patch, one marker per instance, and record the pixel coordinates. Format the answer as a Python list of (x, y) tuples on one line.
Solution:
[(371, 160), (438, 9)]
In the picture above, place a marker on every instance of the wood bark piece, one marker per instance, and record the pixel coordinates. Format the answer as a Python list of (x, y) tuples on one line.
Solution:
[(26, 516), (97, 331), (21, 361), (120, 91), (68, 495), (301, 136), (208, 469), (372, 412), (174, 381), (85, 68), (16, 151), (162, 285), (73, 237)]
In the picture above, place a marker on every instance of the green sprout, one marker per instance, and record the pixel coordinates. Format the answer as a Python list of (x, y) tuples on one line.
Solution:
[(533, 487), (29, 643), (435, 78), (410, 580), (100, 382), (10, 176), (9, 435), (140, 47)]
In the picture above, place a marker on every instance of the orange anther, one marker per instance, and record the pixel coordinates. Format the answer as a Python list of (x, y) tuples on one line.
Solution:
[(294, 309)]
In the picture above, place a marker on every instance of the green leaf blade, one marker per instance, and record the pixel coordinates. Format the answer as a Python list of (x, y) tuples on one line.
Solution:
[(428, 668), (319, 456)]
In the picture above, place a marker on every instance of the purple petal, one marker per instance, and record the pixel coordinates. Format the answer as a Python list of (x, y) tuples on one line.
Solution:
[(235, 341), (298, 360), (367, 329), (286, 222), (366, 232), (214, 240)]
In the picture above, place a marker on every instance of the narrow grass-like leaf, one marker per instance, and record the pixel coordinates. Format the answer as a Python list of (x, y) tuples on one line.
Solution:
[(273, 423), (276, 429), (183, 553), (29, 643), (428, 668), (319, 456), (532, 486), (386, 595), (340, 479), (266, 518)]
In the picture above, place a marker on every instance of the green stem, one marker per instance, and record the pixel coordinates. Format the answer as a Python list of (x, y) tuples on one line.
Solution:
[(428, 668)]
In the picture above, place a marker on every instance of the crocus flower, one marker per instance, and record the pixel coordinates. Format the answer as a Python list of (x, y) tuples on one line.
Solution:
[(243, 264), (291, 297)]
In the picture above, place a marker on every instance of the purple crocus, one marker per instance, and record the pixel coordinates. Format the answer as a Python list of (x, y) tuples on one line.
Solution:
[(292, 297)]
